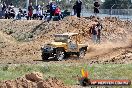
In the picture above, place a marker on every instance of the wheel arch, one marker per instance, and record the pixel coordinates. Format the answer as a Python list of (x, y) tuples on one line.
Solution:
[(83, 48), (60, 48)]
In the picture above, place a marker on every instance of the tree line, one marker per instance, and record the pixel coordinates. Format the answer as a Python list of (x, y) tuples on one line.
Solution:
[(119, 4)]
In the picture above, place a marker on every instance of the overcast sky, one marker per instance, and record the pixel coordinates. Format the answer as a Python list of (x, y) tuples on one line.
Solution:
[(102, 0)]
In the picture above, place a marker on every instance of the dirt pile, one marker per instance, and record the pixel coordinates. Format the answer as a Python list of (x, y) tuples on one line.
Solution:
[(113, 28), (33, 80), (20, 41), (20, 30), (34, 77), (125, 57)]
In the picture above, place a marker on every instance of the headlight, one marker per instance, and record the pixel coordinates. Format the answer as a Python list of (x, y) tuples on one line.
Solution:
[(48, 48)]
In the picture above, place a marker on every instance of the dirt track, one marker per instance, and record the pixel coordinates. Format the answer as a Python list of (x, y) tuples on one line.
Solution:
[(20, 41)]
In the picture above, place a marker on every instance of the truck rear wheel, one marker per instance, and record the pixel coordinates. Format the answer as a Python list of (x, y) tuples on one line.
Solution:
[(81, 53), (60, 54)]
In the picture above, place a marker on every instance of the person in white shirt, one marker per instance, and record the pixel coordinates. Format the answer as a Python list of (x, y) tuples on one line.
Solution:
[(1, 7)]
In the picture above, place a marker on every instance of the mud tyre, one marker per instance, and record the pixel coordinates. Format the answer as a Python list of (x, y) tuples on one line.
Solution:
[(45, 56), (81, 54), (60, 54)]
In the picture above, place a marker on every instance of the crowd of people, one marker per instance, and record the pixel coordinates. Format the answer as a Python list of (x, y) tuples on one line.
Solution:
[(52, 10), (8, 11), (47, 12)]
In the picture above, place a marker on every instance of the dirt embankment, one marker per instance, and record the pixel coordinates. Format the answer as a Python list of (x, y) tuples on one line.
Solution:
[(20, 41), (33, 80)]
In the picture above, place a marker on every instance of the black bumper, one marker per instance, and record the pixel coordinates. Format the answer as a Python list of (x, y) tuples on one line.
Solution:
[(48, 53)]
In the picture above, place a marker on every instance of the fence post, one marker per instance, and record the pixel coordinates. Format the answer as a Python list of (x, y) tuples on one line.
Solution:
[(128, 11), (27, 4), (36, 2), (111, 9)]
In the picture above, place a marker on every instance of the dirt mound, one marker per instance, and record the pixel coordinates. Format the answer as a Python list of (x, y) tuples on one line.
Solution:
[(35, 82), (34, 77), (113, 29), (25, 38)]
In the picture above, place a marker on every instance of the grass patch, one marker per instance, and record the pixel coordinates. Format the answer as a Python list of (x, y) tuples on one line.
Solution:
[(68, 73)]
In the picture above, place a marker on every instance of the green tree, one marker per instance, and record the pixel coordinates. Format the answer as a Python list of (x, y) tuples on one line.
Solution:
[(88, 4), (119, 4)]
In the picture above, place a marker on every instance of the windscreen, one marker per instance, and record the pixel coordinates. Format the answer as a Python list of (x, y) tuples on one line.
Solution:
[(61, 38)]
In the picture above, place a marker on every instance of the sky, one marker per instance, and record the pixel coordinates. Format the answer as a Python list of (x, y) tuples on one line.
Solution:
[(103, 0)]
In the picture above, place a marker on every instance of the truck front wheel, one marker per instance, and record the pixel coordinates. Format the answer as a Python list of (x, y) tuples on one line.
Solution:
[(60, 54), (45, 56)]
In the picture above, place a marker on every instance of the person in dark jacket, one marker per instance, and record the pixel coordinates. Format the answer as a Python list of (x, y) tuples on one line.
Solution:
[(74, 9), (93, 31), (30, 11), (96, 7), (99, 27), (78, 7), (11, 11), (4, 6), (20, 14), (52, 9)]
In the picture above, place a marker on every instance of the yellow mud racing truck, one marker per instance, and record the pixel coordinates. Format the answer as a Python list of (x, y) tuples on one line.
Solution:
[(64, 45)]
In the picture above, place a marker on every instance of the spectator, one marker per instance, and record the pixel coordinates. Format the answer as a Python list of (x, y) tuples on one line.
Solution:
[(47, 13), (58, 13), (39, 12), (1, 7), (11, 6), (99, 27), (52, 9), (93, 32), (78, 7), (51, 12), (42, 7), (48, 8), (74, 9), (96, 7), (11, 11), (30, 11), (20, 10), (1, 12), (4, 7), (20, 14), (6, 13)]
